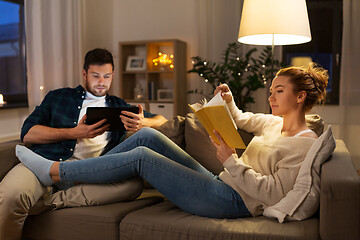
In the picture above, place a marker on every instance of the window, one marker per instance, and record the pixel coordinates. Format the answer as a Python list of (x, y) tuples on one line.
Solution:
[(325, 18), (12, 54)]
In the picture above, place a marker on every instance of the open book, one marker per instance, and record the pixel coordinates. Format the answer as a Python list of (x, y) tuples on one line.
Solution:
[(215, 114)]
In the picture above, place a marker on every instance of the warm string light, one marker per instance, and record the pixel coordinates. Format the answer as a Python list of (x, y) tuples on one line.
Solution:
[(42, 92), (263, 76), (2, 99), (164, 60), (239, 74)]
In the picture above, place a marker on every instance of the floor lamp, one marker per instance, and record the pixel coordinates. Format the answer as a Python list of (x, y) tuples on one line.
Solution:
[(274, 22)]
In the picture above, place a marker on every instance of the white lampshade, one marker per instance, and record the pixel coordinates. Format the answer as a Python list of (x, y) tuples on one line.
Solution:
[(284, 20)]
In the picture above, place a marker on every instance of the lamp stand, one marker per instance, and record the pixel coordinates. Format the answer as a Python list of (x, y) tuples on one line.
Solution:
[(272, 68), (272, 57)]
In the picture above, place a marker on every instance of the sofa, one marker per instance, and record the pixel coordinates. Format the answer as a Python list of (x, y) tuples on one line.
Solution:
[(151, 216)]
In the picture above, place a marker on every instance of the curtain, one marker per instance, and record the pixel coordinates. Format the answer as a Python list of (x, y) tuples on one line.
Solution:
[(350, 80), (217, 26), (54, 42)]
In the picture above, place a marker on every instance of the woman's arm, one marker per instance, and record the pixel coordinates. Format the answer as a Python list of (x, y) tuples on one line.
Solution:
[(268, 189), (250, 122), (256, 185)]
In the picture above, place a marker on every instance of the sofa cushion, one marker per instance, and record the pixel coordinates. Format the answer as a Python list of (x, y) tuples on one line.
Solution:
[(303, 200), (166, 221), (83, 223)]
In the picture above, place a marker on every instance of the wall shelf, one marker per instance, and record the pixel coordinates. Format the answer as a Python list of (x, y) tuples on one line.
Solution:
[(153, 78)]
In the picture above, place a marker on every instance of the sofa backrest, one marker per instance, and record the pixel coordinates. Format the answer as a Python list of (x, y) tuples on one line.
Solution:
[(8, 158)]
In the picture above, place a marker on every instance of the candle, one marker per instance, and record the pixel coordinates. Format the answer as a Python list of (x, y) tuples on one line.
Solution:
[(1, 99), (42, 95)]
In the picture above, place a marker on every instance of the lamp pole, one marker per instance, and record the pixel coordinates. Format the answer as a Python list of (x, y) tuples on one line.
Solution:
[(272, 57), (272, 66)]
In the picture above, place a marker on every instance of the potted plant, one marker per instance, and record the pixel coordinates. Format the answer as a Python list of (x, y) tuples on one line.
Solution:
[(243, 73)]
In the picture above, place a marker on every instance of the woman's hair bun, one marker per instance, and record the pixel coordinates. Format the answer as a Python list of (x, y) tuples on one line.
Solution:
[(320, 78)]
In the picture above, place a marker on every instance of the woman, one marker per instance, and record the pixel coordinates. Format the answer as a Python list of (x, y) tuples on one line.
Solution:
[(259, 178)]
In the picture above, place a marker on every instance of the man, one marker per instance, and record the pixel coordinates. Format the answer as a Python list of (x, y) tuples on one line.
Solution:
[(57, 130)]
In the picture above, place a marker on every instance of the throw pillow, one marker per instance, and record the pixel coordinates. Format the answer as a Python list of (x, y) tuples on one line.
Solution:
[(315, 123), (199, 146), (174, 129), (303, 200)]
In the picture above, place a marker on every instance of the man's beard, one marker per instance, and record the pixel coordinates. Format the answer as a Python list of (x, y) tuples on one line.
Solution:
[(93, 92)]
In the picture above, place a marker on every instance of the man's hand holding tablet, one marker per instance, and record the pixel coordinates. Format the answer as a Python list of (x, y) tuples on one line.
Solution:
[(134, 121), (115, 117)]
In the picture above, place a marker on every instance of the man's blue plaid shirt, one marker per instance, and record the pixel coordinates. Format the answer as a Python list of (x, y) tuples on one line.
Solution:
[(60, 109)]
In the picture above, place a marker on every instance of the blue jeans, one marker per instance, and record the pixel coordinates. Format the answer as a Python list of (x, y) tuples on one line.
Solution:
[(174, 173)]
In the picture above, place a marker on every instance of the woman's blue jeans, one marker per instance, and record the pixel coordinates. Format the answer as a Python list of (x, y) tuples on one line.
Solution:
[(152, 156)]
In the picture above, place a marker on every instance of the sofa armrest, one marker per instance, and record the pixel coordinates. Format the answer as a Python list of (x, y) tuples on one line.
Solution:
[(340, 197), (8, 158)]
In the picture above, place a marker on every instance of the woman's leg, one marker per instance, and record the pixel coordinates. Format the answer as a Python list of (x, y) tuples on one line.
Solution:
[(190, 190), (158, 142), (147, 137)]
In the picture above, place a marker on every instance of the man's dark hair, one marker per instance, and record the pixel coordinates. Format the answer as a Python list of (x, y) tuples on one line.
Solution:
[(98, 56)]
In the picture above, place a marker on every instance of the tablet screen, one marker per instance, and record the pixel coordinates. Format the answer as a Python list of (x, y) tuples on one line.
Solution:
[(111, 114)]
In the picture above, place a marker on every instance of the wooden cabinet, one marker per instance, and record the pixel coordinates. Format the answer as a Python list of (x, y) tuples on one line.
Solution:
[(160, 88)]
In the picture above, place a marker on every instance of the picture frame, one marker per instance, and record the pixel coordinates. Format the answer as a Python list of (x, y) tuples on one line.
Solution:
[(136, 63), (165, 95)]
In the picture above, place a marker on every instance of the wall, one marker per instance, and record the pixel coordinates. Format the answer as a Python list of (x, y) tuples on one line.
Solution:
[(128, 20), (345, 122), (11, 121), (206, 25)]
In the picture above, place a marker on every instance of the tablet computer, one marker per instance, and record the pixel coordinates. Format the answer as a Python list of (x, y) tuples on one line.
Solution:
[(111, 114)]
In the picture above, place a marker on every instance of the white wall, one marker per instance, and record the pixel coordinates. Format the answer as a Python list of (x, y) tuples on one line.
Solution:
[(11, 121), (129, 20), (207, 26)]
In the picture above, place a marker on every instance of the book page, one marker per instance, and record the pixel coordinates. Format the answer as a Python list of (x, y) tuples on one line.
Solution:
[(195, 107), (217, 100)]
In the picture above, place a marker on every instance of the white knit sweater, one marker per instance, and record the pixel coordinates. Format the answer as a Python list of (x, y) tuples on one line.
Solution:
[(267, 169)]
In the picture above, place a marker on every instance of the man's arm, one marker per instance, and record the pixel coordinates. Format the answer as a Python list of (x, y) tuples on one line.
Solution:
[(155, 121), (39, 134)]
